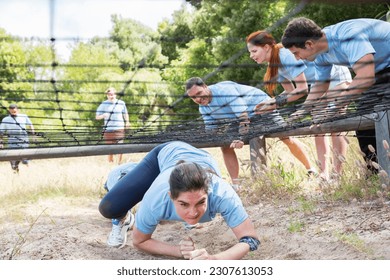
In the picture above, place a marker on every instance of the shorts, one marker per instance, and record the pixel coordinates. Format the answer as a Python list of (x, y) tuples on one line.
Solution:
[(114, 136)]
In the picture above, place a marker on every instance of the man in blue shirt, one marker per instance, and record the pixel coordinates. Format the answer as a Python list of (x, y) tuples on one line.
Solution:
[(219, 104), (222, 104), (361, 44), (116, 120), (15, 127)]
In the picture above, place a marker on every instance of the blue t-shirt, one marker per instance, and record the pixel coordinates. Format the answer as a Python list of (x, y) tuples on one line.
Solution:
[(157, 206), (15, 128), (291, 67), (116, 110), (350, 40), (229, 101)]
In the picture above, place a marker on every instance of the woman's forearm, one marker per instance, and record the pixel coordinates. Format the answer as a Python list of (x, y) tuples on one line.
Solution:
[(156, 247), (236, 252)]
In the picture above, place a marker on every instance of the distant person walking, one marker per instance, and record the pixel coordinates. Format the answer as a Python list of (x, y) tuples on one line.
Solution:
[(116, 120), (14, 126)]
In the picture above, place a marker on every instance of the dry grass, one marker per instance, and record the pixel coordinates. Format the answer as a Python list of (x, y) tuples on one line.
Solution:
[(84, 177)]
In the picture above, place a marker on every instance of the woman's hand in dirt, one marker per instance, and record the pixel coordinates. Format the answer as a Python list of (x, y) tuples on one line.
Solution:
[(200, 254), (187, 246)]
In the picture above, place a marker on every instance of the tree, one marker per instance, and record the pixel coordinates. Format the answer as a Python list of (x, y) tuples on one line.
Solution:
[(14, 76)]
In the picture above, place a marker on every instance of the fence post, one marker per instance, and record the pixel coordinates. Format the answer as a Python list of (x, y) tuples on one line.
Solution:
[(382, 128), (257, 153)]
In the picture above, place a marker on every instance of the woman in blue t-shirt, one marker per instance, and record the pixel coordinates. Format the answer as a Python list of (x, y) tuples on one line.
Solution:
[(178, 182)]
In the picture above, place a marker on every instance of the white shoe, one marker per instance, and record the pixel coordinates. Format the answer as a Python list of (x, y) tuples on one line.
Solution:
[(118, 235)]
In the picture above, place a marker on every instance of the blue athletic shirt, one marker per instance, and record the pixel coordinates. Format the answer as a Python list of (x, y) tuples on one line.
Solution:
[(15, 127), (350, 40), (157, 206), (229, 101), (291, 68), (116, 110)]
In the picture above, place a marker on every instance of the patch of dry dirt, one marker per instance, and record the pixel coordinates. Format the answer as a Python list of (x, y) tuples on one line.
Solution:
[(59, 230)]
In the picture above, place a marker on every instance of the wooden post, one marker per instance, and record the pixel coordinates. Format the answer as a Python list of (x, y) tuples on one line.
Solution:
[(382, 128), (257, 154)]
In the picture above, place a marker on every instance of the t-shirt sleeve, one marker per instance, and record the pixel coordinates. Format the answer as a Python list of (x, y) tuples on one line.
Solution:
[(124, 109), (99, 110), (28, 121), (146, 220), (357, 47), (323, 70)]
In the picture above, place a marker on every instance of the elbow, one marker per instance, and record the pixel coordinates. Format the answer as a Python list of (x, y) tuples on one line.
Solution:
[(371, 81), (137, 245)]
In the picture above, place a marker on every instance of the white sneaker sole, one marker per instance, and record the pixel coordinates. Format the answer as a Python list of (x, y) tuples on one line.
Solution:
[(126, 227)]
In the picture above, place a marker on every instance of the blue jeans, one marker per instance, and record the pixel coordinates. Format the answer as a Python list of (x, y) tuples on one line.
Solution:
[(131, 188)]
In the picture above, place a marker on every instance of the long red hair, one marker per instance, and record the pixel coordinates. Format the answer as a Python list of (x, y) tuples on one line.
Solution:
[(261, 38)]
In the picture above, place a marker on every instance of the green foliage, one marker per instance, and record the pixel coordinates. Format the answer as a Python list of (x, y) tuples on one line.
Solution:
[(295, 226), (175, 36), (14, 75), (327, 14)]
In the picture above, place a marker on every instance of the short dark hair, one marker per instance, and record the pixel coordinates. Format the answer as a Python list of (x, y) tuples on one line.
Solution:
[(194, 81), (298, 31), (188, 176)]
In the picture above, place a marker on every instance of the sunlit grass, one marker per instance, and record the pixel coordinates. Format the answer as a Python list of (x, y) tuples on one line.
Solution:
[(354, 241)]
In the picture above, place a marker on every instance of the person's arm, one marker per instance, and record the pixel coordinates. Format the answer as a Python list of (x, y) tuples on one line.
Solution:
[(290, 94), (364, 69), (102, 116), (125, 116), (146, 243), (32, 132), (301, 88), (236, 252), (127, 122)]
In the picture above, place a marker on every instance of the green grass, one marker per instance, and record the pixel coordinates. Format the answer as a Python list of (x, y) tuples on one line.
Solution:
[(354, 241)]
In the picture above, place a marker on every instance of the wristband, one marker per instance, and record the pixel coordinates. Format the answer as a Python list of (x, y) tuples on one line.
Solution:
[(251, 241), (281, 100)]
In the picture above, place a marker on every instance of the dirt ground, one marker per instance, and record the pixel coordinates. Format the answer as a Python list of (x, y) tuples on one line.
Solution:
[(58, 230), (35, 225)]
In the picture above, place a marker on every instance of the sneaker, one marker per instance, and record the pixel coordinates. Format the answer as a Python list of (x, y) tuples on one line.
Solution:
[(236, 187), (118, 235), (312, 173), (15, 168)]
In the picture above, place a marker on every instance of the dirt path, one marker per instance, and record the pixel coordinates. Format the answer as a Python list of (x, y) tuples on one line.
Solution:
[(63, 229)]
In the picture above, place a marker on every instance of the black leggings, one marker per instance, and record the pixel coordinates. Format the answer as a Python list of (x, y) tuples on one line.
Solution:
[(130, 189), (368, 137)]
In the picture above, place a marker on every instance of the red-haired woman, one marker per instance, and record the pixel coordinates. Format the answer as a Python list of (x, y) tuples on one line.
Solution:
[(295, 76)]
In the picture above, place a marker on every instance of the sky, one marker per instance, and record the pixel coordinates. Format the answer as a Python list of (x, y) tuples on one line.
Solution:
[(79, 18)]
